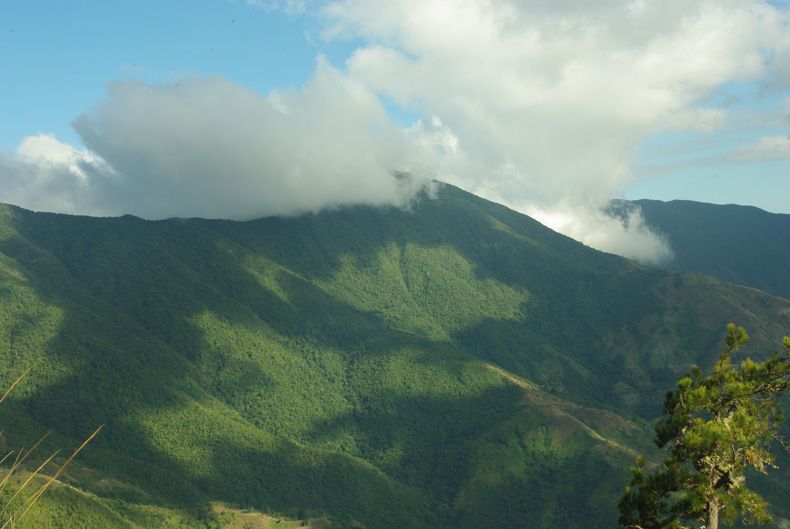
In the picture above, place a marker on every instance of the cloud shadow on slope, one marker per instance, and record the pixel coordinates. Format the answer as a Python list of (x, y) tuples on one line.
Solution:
[(130, 297), (131, 291)]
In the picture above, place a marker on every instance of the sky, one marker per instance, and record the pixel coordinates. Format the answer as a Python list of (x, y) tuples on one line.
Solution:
[(240, 109)]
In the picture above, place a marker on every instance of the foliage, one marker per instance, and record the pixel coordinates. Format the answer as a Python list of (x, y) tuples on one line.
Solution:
[(16, 501), (716, 427), (703, 236), (340, 364)]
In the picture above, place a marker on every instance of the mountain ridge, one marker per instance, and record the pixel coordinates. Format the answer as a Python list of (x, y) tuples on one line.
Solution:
[(737, 244), (337, 363)]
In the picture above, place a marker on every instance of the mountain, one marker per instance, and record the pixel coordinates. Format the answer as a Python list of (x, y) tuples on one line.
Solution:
[(452, 364), (737, 244)]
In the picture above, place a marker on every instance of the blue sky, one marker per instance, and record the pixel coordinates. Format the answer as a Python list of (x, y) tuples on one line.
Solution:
[(418, 61), (60, 56), (695, 166)]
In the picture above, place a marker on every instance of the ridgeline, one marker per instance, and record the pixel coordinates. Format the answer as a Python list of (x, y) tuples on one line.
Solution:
[(454, 364)]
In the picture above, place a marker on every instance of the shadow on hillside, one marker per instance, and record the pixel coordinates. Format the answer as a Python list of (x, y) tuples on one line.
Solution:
[(169, 336), (575, 492), (434, 458), (132, 293)]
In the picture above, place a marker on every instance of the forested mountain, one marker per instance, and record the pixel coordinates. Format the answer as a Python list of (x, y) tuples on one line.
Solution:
[(454, 364), (738, 244)]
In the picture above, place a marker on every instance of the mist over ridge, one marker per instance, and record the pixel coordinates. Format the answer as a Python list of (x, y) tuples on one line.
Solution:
[(437, 364), (513, 103), (385, 264)]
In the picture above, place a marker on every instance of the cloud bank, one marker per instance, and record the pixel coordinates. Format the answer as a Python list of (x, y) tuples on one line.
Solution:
[(211, 148), (548, 101), (626, 234), (538, 105), (47, 175)]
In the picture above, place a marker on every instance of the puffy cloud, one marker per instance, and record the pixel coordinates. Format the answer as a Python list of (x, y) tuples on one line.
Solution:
[(47, 151), (539, 105), (46, 174), (211, 148), (627, 235), (548, 101)]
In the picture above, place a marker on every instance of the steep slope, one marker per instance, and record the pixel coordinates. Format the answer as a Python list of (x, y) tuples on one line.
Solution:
[(737, 244), (454, 364)]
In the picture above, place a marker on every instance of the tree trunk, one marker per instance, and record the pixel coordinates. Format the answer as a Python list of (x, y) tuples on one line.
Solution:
[(713, 515)]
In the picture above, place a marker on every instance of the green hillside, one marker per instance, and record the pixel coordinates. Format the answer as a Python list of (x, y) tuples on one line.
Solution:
[(455, 364), (737, 244)]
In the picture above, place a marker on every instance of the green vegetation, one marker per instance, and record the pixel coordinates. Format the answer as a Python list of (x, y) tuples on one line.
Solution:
[(703, 237), (716, 427), (453, 364), (68, 507), (20, 494)]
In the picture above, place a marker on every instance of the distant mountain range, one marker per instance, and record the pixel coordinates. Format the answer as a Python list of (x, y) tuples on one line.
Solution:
[(455, 364), (738, 244)]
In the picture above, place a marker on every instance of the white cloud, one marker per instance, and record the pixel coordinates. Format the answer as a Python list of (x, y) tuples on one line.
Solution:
[(766, 148), (629, 236), (548, 101), (48, 152), (210, 148), (539, 105), (48, 175)]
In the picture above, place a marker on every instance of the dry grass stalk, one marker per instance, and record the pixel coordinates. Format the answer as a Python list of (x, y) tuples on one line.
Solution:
[(21, 456), (12, 386), (28, 480)]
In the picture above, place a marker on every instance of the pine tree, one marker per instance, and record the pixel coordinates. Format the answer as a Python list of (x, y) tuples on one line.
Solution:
[(715, 427)]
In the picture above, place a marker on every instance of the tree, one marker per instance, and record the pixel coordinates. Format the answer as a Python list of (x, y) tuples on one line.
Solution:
[(715, 428)]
